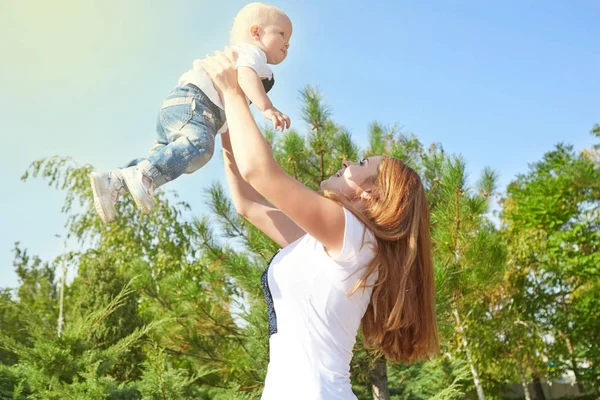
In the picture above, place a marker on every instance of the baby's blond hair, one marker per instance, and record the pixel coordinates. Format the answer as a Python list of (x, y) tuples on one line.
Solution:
[(252, 14)]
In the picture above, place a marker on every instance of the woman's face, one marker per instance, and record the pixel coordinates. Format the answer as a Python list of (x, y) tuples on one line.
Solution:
[(353, 178)]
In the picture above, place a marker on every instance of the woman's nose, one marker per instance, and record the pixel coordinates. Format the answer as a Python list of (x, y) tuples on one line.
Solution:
[(287, 46)]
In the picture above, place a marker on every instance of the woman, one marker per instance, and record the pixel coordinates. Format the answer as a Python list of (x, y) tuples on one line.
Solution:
[(360, 252)]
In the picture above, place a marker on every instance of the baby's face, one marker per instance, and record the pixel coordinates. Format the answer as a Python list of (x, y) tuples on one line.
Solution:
[(276, 39)]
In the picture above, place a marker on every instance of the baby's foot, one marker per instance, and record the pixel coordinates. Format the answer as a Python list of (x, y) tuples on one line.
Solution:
[(140, 186), (106, 187)]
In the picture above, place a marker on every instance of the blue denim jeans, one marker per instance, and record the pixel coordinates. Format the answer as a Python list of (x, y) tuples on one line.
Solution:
[(186, 127)]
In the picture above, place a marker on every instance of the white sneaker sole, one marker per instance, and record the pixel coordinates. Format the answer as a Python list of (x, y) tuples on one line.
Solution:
[(106, 212), (135, 186)]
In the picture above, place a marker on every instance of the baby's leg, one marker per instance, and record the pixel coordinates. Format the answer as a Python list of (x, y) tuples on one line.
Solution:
[(191, 135), (160, 142), (186, 128)]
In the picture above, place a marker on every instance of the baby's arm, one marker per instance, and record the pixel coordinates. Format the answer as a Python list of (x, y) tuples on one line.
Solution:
[(254, 90)]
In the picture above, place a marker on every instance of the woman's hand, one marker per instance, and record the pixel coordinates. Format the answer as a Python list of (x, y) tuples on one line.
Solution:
[(222, 71)]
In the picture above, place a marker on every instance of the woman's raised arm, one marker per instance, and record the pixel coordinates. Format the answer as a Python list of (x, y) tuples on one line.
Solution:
[(318, 216), (249, 203)]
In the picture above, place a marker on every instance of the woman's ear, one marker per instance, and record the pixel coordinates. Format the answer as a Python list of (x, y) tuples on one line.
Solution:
[(366, 195), (369, 189)]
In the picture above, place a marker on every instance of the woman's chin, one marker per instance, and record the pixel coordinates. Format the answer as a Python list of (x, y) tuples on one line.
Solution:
[(329, 185), (326, 184)]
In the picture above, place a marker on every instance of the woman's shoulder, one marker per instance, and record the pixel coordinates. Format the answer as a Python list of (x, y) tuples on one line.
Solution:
[(359, 242), (355, 224)]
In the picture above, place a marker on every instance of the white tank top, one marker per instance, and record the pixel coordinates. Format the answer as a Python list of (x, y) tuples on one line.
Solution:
[(316, 323)]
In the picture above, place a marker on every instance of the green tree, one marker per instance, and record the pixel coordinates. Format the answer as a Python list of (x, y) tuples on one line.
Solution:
[(70, 366), (177, 265), (97, 282), (443, 378), (555, 208), (10, 324), (470, 257), (37, 286), (37, 290)]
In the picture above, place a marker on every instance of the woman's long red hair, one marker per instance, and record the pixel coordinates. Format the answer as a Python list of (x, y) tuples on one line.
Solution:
[(400, 319)]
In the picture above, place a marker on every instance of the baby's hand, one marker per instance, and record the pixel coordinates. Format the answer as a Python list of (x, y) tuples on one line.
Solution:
[(280, 120)]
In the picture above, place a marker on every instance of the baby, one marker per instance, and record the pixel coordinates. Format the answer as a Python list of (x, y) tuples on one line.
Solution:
[(192, 115)]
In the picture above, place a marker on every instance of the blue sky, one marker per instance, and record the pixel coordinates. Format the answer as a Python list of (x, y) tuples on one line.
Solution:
[(499, 82)]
